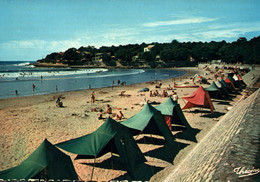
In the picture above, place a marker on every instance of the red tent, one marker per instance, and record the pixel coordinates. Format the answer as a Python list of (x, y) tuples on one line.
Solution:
[(199, 98), (231, 83)]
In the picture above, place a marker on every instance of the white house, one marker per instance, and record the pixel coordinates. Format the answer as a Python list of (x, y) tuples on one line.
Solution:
[(148, 48)]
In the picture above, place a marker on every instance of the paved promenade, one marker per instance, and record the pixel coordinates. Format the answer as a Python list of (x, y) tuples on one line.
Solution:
[(230, 151)]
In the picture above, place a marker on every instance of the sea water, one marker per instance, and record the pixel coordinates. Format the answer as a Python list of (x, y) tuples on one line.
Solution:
[(20, 76)]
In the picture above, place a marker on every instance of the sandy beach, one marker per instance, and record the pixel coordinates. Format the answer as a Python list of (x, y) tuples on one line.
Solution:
[(27, 121)]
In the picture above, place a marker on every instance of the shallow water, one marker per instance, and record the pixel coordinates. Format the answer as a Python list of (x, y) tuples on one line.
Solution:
[(20, 76)]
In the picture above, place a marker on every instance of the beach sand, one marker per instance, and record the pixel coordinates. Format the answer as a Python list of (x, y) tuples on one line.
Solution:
[(27, 121)]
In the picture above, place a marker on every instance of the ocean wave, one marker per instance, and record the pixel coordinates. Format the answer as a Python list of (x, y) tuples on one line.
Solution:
[(23, 64), (49, 73)]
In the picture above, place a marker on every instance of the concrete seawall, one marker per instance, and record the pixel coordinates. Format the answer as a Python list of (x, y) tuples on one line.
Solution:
[(230, 151)]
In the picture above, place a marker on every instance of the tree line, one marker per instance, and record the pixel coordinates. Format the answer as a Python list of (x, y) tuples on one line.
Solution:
[(241, 50)]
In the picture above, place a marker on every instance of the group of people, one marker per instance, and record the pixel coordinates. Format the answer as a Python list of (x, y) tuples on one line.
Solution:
[(118, 116), (156, 94), (164, 94)]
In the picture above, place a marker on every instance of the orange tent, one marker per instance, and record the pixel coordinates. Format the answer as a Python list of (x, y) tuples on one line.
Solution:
[(199, 98)]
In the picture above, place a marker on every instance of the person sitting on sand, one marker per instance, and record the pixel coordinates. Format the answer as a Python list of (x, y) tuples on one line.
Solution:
[(164, 94), (92, 97), (156, 93), (59, 103), (173, 93), (109, 110), (58, 100), (151, 94), (169, 87), (119, 116), (193, 80), (100, 116), (122, 93)]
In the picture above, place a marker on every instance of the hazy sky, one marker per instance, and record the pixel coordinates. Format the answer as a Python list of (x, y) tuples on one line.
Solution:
[(31, 29)]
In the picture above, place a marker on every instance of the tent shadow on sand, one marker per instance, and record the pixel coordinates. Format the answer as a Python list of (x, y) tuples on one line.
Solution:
[(114, 163), (188, 134), (142, 176), (167, 152), (150, 140), (213, 115), (223, 102), (207, 114)]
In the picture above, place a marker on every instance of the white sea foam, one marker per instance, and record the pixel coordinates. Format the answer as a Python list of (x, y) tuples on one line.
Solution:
[(23, 64), (31, 74)]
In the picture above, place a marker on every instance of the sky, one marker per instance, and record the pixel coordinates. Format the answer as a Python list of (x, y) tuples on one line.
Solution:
[(31, 29)]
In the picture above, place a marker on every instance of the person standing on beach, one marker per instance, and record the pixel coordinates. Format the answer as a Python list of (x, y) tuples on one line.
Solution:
[(92, 97), (113, 82), (175, 97), (33, 87), (56, 88), (16, 92)]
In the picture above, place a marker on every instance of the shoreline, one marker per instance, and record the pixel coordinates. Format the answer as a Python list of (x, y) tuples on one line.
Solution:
[(187, 73), (27, 121)]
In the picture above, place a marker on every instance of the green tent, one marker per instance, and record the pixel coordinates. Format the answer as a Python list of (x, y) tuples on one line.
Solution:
[(173, 109), (236, 83), (223, 83), (149, 121), (46, 162), (222, 88), (112, 137), (213, 90)]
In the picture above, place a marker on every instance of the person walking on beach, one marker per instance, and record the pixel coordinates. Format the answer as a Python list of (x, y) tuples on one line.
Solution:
[(33, 87), (92, 97)]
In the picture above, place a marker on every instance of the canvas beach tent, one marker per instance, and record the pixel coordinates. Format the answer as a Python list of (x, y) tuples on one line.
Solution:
[(236, 83), (226, 86), (112, 137), (199, 98), (214, 91), (46, 162), (230, 84), (149, 121), (241, 81), (172, 113), (222, 88)]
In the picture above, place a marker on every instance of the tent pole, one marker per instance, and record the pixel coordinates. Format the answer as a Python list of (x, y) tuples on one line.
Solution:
[(138, 135), (93, 168), (185, 104)]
